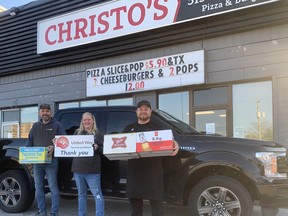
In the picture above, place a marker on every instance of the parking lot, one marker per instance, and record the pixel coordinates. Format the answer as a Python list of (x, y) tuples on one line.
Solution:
[(116, 207)]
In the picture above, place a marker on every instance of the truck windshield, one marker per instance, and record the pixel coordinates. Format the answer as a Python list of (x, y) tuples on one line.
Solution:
[(177, 124)]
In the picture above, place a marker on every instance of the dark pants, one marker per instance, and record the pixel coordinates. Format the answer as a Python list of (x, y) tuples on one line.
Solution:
[(137, 207)]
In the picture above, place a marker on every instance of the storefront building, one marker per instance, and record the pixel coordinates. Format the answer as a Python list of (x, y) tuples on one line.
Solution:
[(220, 67)]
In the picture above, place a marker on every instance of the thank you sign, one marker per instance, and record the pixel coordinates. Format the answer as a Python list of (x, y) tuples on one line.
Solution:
[(74, 146)]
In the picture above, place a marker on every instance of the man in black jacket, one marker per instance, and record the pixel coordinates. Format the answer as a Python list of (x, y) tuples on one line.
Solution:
[(41, 135), (145, 175)]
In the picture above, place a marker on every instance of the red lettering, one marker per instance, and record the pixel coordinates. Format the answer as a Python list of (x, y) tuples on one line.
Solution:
[(103, 22), (142, 14), (108, 20), (149, 4), (65, 31), (80, 29), (118, 21), (49, 42), (92, 25), (162, 8)]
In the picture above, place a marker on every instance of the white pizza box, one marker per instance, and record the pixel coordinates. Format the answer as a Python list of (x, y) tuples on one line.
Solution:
[(141, 144), (120, 146), (154, 143), (74, 146)]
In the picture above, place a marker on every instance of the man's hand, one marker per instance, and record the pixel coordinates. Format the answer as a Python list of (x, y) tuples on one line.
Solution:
[(95, 146), (175, 148), (50, 150)]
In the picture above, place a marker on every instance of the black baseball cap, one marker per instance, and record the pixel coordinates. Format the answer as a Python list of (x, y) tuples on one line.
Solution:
[(45, 106), (144, 102)]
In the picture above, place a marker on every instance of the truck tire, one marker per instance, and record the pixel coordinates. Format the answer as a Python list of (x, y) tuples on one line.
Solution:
[(15, 194), (220, 195)]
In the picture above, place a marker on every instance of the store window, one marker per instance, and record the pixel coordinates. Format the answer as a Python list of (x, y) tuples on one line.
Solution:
[(211, 97), (210, 110), (211, 121), (92, 103), (10, 124), (121, 101), (16, 123), (176, 104), (68, 105), (112, 102), (252, 110), (28, 116), (10, 130), (11, 115)]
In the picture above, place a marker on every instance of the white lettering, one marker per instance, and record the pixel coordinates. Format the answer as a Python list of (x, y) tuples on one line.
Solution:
[(191, 2), (209, 7)]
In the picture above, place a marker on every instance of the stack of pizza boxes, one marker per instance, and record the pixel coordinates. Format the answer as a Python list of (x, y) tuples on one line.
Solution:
[(136, 145)]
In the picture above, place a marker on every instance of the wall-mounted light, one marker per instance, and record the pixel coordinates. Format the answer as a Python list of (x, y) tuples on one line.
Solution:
[(14, 11)]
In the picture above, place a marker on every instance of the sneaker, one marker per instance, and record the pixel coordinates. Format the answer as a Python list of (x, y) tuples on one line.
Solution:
[(41, 214), (53, 214)]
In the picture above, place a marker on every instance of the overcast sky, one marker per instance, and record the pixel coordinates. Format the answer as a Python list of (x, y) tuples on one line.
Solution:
[(12, 3)]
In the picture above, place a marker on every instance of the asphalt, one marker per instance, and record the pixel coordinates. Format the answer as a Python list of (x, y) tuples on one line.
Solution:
[(116, 207)]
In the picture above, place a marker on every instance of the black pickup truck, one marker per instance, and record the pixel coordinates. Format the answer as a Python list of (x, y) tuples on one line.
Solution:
[(213, 175)]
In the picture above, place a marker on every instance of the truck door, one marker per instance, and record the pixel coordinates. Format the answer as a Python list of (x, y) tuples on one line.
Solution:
[(71, 122), (114, 172)]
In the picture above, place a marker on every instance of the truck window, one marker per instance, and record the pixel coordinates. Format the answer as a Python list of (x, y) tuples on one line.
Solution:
[(71, 121), (118, 120)]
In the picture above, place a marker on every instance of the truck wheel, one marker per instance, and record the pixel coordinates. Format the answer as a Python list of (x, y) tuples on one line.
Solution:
[(15, 193), (220, 195)]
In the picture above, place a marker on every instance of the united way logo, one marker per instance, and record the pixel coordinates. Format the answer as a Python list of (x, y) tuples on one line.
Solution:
[(62, 142)]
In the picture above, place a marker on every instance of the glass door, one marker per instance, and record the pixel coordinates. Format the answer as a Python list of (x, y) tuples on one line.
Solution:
[(210, 108), (211, 121), (10, 130)]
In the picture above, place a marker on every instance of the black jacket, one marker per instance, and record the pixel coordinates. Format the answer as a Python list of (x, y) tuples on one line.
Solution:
[(89, 164), (41, 135), (145, 175)]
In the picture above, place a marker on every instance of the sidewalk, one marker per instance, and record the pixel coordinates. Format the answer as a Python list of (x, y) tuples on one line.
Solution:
[(116, 207)]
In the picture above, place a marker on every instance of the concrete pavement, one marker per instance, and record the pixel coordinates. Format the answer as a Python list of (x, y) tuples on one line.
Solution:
[(116, 207)]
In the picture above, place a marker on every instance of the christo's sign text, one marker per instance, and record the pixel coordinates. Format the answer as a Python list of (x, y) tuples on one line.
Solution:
[(121, 17)]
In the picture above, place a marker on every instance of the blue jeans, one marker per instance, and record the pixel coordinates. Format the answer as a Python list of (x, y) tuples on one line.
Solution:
[(93, 181), (50, 170)]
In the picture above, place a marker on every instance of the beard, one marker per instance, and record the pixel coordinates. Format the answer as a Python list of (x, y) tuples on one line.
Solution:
[(46, 118), (144, 117)]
